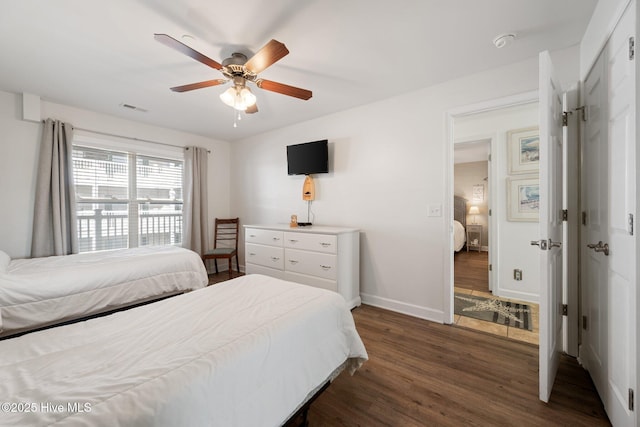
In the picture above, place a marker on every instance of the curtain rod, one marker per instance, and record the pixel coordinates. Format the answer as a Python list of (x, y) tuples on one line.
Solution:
[(97, 132)]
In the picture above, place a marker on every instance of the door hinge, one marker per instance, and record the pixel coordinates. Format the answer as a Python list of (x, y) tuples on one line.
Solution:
[(490, 267), (631, 399), (489, 212), (584, 322), (631, 224), (565, 309), (565, 215), (584, 218), (565, 118), (632, 48), (583, 112), (489, 158)]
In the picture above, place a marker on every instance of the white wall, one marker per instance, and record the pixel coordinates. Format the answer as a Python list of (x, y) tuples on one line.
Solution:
[(19, 144), (388, 166), (604, 19), (512, 249)]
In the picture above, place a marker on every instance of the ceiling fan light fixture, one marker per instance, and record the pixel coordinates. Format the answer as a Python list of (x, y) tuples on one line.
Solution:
[(238, 97)]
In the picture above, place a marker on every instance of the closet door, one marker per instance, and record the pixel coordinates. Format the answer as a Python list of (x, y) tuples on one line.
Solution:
[(609, 238)]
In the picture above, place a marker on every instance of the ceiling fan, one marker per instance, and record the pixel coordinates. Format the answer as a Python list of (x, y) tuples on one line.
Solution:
[(239, 70)]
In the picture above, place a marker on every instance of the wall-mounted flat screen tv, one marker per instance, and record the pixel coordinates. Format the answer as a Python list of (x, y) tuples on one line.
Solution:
[(308, 158)]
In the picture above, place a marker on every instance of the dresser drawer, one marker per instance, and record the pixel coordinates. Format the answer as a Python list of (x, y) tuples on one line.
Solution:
[(311, 242), (311, 263), (268, 256), (263, 237), (316, 282), (258, 269)]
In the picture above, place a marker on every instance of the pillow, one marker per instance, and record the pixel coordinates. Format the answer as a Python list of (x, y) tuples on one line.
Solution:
[(4, 262)]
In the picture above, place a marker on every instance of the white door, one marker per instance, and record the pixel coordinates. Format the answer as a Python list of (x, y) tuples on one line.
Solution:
[(593, 351), (550, 225), (609, 341)]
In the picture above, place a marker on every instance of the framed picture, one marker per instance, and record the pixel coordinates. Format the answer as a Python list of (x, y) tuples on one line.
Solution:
[(524, 150), (478, 193), (523, 198)]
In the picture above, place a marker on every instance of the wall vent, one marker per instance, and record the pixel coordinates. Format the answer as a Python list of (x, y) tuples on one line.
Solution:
[(133, 107)]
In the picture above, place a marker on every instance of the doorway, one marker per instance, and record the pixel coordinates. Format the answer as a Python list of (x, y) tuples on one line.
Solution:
[(504, 267), (471, 200)]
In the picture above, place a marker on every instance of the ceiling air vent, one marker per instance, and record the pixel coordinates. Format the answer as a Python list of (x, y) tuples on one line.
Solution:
[(133, 107)]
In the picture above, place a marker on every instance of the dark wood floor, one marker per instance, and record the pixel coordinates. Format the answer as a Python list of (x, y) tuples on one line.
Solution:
[(222, 276), (422, 373), (471, 270)]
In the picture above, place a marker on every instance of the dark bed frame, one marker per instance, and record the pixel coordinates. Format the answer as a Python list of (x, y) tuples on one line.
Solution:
[(107, 312)]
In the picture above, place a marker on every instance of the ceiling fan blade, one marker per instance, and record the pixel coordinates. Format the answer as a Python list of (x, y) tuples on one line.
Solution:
[(200, 85), (252, 109), (268, 55), (284, 89), (181, 47)]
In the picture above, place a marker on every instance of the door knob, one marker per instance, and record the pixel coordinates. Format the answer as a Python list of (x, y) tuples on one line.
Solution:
[(542, 244), (553, 244), (599, 247)]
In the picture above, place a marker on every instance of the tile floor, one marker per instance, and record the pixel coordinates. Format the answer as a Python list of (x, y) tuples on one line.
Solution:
[(502, 330)]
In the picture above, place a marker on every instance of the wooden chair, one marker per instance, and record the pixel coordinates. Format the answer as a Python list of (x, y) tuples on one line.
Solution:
[(225, 243)]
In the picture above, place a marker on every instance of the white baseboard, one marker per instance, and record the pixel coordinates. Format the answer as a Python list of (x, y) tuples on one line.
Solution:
[(403, 307), (522, 296)]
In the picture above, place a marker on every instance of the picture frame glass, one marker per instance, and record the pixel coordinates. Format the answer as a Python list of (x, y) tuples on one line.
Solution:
[(524, 150), (523, 199)]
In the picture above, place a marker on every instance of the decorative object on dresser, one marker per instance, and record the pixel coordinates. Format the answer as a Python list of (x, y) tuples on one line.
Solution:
[(225, 243), (320, 256), (308, 189)]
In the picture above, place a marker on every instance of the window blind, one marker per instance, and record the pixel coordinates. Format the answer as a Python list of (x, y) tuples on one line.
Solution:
[(126, 199)]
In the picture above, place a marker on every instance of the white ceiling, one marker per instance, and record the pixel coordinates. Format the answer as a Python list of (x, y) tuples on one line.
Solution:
[(471, 151), (99, 54)]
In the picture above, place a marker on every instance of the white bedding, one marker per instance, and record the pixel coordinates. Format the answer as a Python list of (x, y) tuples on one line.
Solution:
[(241, 353), (39, 291), (459, 235)]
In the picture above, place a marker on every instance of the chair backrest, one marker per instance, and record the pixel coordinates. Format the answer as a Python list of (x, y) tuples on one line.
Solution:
[(226, 233)]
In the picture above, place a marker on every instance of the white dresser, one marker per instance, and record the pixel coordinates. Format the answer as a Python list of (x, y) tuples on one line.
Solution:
[(325, 257)]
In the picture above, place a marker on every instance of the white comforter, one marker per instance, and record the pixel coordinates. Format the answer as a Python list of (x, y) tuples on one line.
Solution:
[(39, 291), (242, 353), (459, 236)]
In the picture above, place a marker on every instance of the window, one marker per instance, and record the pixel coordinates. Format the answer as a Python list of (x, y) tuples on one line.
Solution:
[(126, 199)]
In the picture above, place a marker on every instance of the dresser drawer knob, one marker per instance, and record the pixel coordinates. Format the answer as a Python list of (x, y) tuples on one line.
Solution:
[(325, 267), (293, 240), (275, 239), (274, 258), (293, 261), (325, 245), (252, 254)]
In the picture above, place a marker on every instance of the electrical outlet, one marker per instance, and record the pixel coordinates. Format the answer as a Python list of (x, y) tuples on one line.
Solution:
[(517, 274)]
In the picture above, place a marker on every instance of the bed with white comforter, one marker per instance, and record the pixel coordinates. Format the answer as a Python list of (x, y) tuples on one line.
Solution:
[(459, 236), (246, 352), (41, 291)]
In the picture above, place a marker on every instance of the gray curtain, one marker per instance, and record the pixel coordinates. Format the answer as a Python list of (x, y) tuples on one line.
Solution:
[(54, 219), (196, 218)]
